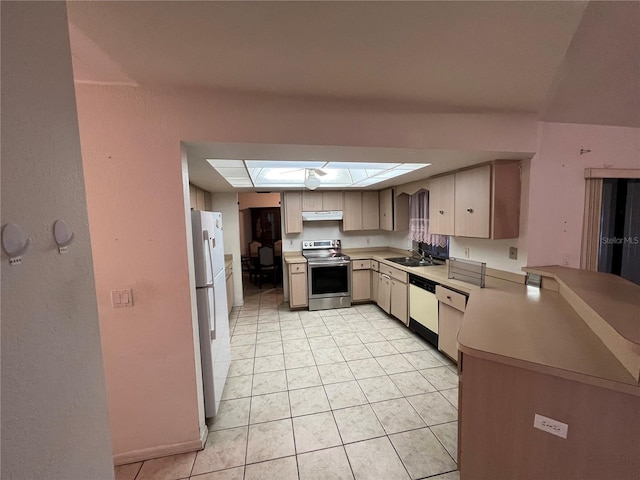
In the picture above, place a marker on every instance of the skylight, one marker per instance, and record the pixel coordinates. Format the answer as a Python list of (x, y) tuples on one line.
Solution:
[(292, 174)]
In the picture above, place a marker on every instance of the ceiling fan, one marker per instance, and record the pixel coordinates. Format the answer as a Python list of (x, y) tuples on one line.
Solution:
[(312, 180)]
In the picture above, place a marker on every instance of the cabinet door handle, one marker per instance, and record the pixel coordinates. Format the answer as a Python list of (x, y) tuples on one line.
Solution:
[(470, 210), (441, 212), (448, 297)]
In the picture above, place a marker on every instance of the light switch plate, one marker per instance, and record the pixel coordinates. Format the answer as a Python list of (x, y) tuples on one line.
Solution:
[(121, 298)]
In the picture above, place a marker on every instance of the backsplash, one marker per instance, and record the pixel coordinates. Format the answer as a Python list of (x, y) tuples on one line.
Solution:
[(495, 253), (332, 229)]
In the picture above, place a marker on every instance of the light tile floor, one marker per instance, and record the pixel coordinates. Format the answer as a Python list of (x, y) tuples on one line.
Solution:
[(334, 394)]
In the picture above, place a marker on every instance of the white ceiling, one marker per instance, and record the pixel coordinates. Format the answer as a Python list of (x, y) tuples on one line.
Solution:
[(564, 61)]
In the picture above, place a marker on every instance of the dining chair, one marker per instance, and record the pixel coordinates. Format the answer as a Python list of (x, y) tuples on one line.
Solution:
[(254, 264), (266, 264), (277, 253)]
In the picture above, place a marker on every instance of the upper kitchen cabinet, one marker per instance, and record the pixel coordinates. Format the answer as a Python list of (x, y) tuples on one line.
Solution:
[(292, 211), (394, 211), (199, 199), (360, 211), (473, 202), (487, 201), (321, 201), (441, 205)]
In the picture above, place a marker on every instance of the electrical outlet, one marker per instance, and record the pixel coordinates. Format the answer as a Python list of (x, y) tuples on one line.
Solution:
[(368, 241), (513, 253), (549, 425), (466, 253)]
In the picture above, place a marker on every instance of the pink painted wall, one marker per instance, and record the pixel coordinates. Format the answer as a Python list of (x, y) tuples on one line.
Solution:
[(556, 195), (130, 140)]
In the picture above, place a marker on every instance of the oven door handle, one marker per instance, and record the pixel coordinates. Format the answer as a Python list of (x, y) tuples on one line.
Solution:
[(328, 264)]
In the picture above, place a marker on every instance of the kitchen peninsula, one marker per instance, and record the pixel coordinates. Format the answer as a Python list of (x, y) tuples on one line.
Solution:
[(566, 355), (549, 353)]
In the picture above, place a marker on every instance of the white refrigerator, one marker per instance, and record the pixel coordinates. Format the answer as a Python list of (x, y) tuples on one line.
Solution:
[(213, 318)]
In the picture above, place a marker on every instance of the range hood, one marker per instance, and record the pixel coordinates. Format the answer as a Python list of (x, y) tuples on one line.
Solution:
[(317, 216)]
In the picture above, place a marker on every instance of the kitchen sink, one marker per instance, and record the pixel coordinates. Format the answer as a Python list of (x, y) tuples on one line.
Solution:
[(412, 262)]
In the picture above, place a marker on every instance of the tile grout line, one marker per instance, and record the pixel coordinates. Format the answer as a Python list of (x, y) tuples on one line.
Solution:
[(246, 449), (323, 384), (138, 472), (399, 457)]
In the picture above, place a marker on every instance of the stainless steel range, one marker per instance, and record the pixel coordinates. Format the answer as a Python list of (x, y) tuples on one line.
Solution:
[(327, 274)]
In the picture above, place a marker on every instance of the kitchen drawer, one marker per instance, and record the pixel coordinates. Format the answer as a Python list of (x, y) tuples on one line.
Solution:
[(298, 267), (451, 298), (374, 265), (393, 272), (361, 264)]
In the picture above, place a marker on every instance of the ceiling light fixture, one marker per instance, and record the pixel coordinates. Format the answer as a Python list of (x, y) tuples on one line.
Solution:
[(312, 181)]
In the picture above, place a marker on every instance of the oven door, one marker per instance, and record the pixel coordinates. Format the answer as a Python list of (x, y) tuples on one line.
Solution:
[(329, 279)]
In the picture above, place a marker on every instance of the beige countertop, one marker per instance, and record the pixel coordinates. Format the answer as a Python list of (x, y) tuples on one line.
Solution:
[(613, 298), (546, 330), (540, 331), (293, 257), (608, 304), (436, 273)]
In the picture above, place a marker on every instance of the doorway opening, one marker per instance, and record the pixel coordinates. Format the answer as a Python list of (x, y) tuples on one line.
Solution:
[(260, 226)]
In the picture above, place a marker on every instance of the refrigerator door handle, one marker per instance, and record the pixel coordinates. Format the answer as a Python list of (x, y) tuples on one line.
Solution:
[(211, 241), (208, 241)]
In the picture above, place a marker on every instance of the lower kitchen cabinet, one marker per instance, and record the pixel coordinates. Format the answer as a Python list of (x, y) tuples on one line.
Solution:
[(392, 294), (374, 281), (399, 302), (360, 280), (449, 320), (451, 310), (298, 297), (384, 292), (230, 290)]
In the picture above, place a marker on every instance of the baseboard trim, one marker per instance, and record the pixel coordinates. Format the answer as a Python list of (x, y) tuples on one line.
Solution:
[(204, 434), (162, 450)]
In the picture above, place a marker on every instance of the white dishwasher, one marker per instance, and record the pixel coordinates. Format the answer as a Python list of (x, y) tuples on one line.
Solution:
[(423, 308)]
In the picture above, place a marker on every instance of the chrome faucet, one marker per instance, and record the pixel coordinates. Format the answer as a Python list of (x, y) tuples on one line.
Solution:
[(419, 252), (423, 257)]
